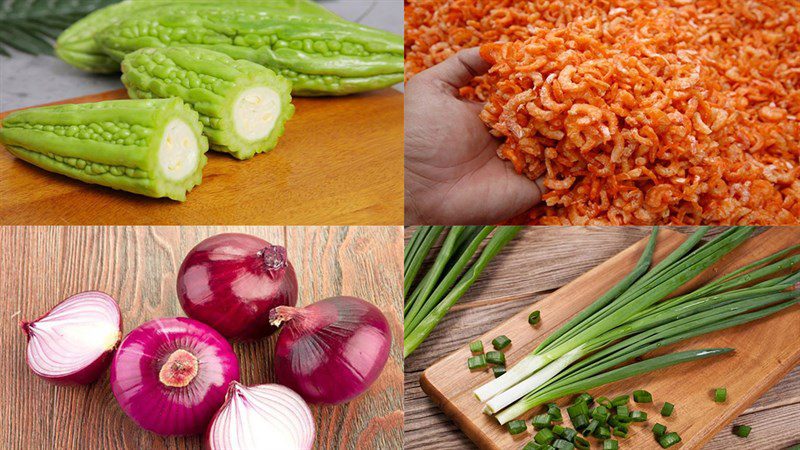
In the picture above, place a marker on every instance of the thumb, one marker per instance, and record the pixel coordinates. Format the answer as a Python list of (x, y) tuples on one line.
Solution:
[(458, 70)]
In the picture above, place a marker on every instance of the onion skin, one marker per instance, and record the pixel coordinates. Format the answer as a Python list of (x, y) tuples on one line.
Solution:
[(283, 419), (331, 351), (231, 281), (92, 371), (169, 410)]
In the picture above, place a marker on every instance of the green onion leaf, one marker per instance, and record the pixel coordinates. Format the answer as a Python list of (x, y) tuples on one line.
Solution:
[(669, 439), (476, 347), (534, 317), (496, 358), (741, 430), (544, 436), (517, 426), (501, 342), (659, 430), (498, 371), (642, 397), (667, 409), (720, 395), (477, 362)]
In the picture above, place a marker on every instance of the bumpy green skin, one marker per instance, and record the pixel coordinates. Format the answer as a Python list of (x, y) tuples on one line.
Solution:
[(113, 143), (211, 82), (319, 56), (77, 47)]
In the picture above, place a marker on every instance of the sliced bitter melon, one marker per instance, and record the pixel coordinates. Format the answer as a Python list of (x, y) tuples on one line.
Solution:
[(149, 147), (243, 106)]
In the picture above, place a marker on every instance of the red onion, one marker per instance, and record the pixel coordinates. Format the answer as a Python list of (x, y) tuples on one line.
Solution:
[(231, 282), (74, 341), (170, 375), (266, 416), (331, 351)]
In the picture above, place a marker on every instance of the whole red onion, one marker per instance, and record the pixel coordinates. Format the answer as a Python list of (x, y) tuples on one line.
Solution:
[(332, 350), (231, 282), (73, 342), (170, 375), (265, 416)]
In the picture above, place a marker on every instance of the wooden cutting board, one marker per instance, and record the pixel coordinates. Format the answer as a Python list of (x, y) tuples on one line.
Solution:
[(339, 162), (765, 351)]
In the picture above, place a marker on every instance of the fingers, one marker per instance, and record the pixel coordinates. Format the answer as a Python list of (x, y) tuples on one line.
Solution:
[(458, 70)]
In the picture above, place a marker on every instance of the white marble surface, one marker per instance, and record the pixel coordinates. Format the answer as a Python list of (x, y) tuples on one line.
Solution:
[(26, 80)]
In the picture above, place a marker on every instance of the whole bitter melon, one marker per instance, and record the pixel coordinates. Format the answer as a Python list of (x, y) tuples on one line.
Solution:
[(243, 106), (149, 147), (319, 56), (77, 47)]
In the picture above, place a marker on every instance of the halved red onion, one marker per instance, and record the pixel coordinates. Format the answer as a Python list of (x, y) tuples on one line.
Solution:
[(331, 351), (231, 281), (265, 416), (74, 341), (170, 375)]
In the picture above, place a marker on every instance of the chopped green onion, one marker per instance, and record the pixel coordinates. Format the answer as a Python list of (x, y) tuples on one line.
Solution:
[(622, 413), (477, 362), (580, 422), (541, 421), (591, 427), (544, 436), (585, 398), (501, 342), (496, 358), (581, 443), (569, 434), (517, 426), (498, 370), (667, 409), (532, 446), (621, 432), (561, 444), (558, 430), (614, 421), (638, 416), (720, 395), (576, 409), (600, 414), (742, 430), (602, 432), (669, 439), (555, 412), (620, 400), (659, 430), (534, 317), (476, 347), (642, 396), (610, 444), (604, 401)]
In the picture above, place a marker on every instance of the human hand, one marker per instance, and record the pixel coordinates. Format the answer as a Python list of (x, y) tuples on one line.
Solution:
[(452, 172)]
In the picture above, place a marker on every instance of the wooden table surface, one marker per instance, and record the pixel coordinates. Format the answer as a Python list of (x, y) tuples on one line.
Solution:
[(138, 266), (340, 162), (550, 258)]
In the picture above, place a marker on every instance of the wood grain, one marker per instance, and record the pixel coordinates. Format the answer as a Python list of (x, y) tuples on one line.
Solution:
[(561, 251), (340, 162), (138, 266)]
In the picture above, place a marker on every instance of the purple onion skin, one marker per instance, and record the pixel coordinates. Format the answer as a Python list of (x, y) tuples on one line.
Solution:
[(167, 410), (357, 341), (229, 282), (90, 373)]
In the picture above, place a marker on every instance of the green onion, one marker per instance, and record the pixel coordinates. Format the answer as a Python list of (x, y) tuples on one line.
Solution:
[(476, 347), (581, 443), (669, 439), (638, 416), (517, 426), (569, 434), (720, 395), (585, 398), (501, 342), (642, 397), (561, 444), (420, 244), (621, 432), (667, 409), (544, 436), (741, 430), (477, 362), (496, 358), (605, 402), (620, 400), (498, 371), (622, 412), (554, 412), (532, 446), (558, 430), (602, 432), (580, 422), (534, 317), (610, 444), (541, 421), (600, 414), (659, 430), (437, 293), (593, 424)]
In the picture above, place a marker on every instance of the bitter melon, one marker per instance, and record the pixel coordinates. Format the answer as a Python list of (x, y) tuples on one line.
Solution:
[(149, 147), (77, 47), (243, 106), (319, 56)]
